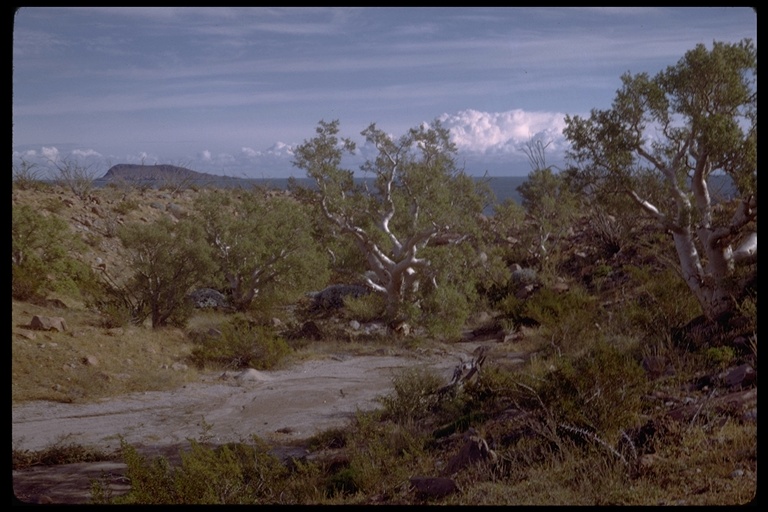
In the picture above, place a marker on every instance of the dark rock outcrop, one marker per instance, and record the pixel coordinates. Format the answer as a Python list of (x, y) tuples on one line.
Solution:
[(333, 296)]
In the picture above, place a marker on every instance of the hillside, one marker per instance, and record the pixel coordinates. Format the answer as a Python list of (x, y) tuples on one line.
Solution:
[(595, 346), (161, 175)]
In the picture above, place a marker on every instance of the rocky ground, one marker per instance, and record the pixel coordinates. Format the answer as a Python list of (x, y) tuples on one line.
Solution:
[(281, 407)]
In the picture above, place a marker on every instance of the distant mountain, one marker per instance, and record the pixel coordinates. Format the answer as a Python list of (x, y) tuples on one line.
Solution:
[(158, 173)]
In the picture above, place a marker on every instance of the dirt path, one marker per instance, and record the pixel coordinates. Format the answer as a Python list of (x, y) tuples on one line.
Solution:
[(278, 406)]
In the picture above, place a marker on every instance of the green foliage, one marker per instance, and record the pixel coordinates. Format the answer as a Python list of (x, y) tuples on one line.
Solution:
[(230, 474), (418, 197), (262, 247), (414, 395), (552, 209), (601, 391), (41, 246), (366, 308), (661, 302), (569, 319), (167, 259), (719, 358), (241, 344), (707, 104), (444, 312), (126, 206)]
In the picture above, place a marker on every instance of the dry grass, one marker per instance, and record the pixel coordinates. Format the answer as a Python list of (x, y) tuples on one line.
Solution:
[(88, 362)]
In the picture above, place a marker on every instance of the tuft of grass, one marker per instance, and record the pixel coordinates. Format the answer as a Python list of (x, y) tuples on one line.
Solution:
[(60, 452)]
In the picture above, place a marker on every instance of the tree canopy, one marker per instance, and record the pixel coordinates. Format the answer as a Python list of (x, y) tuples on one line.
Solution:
[(660, 143), (418, 200)]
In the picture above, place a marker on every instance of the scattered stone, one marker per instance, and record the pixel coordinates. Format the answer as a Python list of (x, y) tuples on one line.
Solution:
[(475, 449), (433, 486), (309, 330), (27, 334), (205, 298), (90, 361), (48, 323), (251, 375), (739, 377), (333, 296)]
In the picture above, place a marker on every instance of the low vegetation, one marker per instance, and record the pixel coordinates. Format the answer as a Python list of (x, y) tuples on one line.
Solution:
[(614, 377)]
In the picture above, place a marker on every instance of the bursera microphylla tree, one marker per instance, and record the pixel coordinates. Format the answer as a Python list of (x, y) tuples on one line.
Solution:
[(659, 144), (418, 201)]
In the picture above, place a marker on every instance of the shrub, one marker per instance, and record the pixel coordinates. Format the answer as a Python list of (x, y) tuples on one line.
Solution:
[(571, 319), (235, 473), (241, 344), (600, 391), (664, 302), (41, 247), (414, 395)]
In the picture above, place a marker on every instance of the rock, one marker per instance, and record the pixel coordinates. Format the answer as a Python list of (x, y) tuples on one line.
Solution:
[(475, 449), (90, 361), (251, 375), (309, 330), (739, 377), (333, 296), (433, 486), (48, 323), (27, 334), (204, 298)]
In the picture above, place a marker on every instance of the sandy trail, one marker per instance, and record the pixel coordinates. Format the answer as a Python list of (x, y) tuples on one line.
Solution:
[(278, 406)]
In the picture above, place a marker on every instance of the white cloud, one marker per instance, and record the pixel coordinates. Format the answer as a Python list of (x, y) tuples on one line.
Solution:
[(249, 152), (205, 155), (503, 132), (50, 153), (85, 153)]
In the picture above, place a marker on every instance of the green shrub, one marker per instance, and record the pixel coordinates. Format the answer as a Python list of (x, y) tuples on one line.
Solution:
[(230, 474), (445, 312), (719, 358), (241, 344), (414, 394), (126, 206), (600, 391), (571, 319), (41, 248), (662, 302), (366, 308)]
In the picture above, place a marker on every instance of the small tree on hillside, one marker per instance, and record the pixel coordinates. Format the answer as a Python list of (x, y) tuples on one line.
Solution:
[(659, 144), (262, 246), (167, 261), (419, 201), (551, 207)]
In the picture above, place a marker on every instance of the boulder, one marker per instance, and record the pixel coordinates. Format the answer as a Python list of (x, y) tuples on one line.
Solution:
[(333, 296), (475, 449), (433, 486), (48, 323), (204, 298)]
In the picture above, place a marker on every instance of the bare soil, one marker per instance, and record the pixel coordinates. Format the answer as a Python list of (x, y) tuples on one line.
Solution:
[(282, 407)]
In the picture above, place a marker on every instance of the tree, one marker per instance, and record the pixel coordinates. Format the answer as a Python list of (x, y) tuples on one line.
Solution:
[(262, 245), (550, 205), (661, 142), (41, 248), (419, 200), (168, 259)]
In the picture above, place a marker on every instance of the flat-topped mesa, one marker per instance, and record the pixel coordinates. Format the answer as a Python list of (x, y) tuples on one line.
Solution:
[(133, 172)]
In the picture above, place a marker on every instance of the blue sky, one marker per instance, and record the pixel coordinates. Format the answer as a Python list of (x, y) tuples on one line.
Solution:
[(230, 91)]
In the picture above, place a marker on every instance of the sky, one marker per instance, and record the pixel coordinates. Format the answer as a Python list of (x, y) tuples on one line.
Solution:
[(231, 91)]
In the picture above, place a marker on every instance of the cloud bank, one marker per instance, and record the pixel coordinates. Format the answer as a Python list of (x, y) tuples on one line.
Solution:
[(492, 142)]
